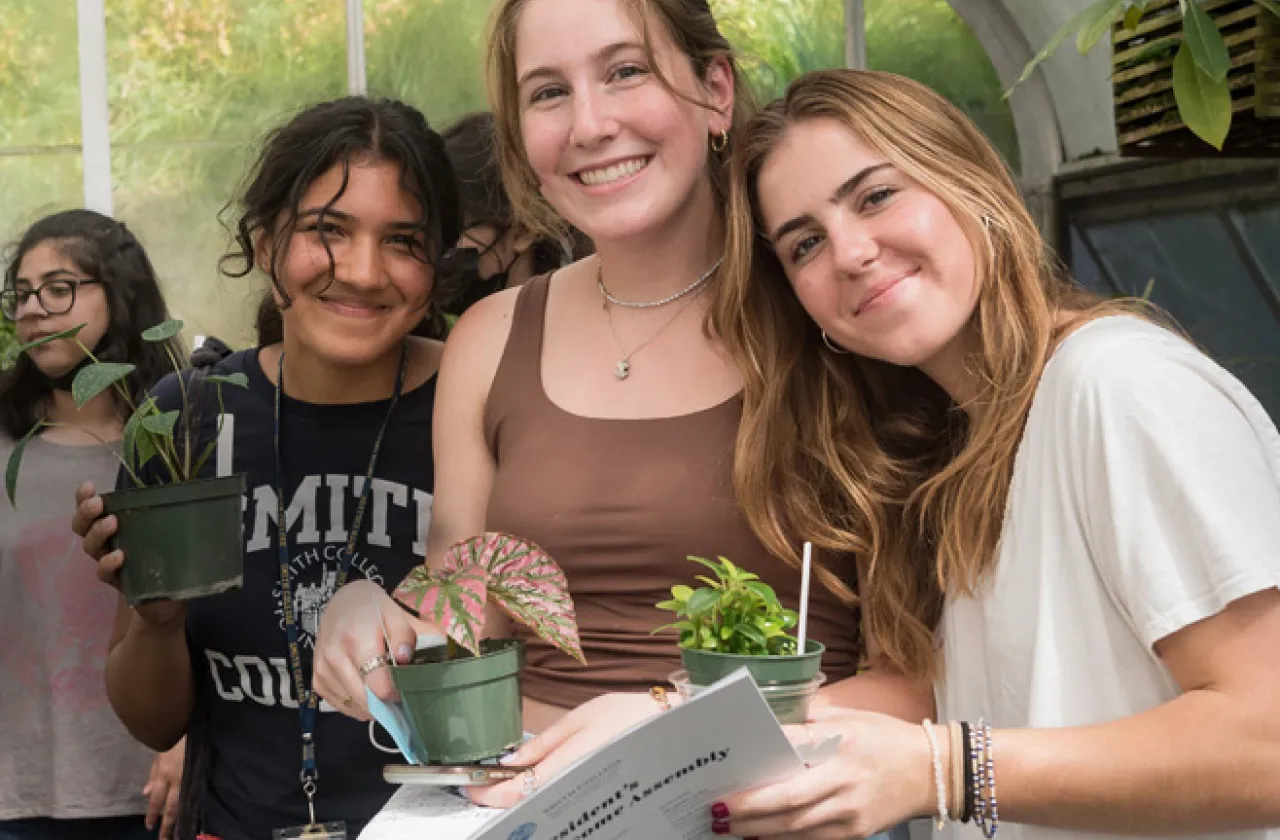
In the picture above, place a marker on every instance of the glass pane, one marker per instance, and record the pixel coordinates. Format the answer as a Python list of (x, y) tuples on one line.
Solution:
[(1260, 227), (407, 59), (171, 198), (1194, 271), (925, 40), (781, 40), (35, 185), (193, 86), (1084, 269), (39, 75)]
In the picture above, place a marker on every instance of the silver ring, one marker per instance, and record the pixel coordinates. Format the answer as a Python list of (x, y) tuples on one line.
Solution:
[(528, 781), (374, 664)]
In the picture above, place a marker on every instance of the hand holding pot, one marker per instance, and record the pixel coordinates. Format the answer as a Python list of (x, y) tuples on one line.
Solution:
[(881, 775), (581, 731), (95, 532), (350, 641)]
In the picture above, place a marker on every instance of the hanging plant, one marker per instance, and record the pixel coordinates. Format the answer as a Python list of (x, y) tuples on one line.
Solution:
[(1201, 89)]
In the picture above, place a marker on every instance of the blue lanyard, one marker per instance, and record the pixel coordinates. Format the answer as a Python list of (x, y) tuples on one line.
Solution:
[(308, 700)]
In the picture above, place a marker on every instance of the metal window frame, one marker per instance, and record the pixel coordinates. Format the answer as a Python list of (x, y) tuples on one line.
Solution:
[(95, 115)]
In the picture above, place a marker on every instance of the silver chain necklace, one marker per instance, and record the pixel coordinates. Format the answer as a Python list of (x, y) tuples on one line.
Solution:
[(652, 304), (622, 368)]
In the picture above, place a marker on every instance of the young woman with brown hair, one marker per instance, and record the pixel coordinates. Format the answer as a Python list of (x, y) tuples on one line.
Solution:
[(590, 410), (1070, 513)]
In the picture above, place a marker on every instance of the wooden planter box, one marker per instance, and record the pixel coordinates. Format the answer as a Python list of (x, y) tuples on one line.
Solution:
[(1147, 122)]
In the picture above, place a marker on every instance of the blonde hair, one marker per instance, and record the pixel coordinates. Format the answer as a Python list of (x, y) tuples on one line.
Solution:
[(694, 32), (866, 457)]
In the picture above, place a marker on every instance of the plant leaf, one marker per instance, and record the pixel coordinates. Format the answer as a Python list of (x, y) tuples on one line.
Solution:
[(1133, 17), (681, 592), (453, 598), (1203, 104), (765, 591), (15, 463), (1094, 28), (1061, 35), (160, 424), (139, 447), (237, 379), (1207, 47), (96, 378), (530, 587), (702, 600), (163, 332), (67, 333)]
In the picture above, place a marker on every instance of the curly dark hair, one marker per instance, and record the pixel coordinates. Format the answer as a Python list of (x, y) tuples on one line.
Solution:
[(105, 250), (325, 135)]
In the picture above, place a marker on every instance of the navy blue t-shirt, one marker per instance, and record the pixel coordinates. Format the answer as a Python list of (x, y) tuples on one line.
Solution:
[(246, 720)]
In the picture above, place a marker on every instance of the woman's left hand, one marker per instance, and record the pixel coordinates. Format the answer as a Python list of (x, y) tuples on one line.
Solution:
[(581, 731), (880, 775)]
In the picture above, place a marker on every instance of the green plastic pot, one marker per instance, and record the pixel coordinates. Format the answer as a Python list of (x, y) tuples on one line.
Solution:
[(180, 541), (776, 675), (464, 709)]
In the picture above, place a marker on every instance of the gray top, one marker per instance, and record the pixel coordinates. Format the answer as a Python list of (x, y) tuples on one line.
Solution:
[(63, 752)]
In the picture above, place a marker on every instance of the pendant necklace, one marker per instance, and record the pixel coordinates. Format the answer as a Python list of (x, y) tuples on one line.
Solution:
[(622, 368)]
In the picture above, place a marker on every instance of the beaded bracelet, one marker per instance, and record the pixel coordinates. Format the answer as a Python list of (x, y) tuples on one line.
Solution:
[(940, 822), (967, 760), (989, 757)]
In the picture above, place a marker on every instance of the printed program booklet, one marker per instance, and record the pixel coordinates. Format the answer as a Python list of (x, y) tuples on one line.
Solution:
[(658, 779)]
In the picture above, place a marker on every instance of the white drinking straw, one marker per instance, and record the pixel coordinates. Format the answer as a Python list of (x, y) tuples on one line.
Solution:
[(804, 596)]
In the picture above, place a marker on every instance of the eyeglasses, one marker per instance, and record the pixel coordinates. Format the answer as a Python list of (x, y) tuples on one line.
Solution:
[(55, 296)]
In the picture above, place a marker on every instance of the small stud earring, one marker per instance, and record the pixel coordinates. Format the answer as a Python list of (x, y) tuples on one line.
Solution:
[(834, 349), (720, 142)]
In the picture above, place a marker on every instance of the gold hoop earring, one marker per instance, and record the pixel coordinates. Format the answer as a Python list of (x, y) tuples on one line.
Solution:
[(720, 142), (833, 348)]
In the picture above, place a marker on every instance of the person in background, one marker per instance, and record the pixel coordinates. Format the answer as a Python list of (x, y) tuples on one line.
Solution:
[(347, 211), (496, 251), (1096, 501), (68, 768)]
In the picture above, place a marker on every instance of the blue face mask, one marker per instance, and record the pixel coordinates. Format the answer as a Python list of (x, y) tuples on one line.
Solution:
[(394, 720)]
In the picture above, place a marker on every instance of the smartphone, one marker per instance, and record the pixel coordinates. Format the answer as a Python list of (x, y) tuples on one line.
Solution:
[(450, 775)]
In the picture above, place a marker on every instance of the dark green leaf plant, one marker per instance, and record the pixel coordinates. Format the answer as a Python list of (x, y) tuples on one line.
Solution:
[(734, 612), (1200, 65), (149, 433)]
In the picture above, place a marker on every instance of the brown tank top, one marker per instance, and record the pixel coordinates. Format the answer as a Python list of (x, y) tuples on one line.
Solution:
[(620, 504)]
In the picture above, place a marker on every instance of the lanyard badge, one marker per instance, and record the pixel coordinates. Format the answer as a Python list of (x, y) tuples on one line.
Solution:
[(308, 700)]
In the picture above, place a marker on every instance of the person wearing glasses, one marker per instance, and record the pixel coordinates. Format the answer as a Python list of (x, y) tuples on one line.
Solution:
[(68, 766)]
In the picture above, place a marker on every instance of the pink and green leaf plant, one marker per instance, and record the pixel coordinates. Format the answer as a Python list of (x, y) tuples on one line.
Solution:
[(513, 573)]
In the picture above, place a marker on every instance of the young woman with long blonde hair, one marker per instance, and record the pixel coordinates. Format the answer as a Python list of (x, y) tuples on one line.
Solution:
[(1070, 514)]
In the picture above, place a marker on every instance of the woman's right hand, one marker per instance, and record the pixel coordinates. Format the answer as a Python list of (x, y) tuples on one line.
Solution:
[(95, 532), (352, 629)]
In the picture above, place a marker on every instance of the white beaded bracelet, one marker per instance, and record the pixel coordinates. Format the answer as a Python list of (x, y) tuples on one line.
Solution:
[(943, 814)]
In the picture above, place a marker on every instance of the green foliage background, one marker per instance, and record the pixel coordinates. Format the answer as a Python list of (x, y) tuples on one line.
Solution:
[(194, 83)]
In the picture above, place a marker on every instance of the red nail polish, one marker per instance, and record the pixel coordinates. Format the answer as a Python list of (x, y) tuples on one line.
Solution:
[(719, 811), (719, 827)]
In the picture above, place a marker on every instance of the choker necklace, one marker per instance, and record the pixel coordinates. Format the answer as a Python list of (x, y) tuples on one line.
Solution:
[(651, 304)]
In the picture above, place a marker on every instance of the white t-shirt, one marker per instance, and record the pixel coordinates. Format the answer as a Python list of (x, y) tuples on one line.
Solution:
[(1145, 497)]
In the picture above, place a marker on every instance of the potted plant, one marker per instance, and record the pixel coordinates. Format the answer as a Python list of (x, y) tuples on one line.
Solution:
[(736, 621), (1186, 69), (181, 536), (462, 698)]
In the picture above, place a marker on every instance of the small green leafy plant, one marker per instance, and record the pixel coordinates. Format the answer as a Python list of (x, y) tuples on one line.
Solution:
[(149, 433), (735, 612), (1200, 65)]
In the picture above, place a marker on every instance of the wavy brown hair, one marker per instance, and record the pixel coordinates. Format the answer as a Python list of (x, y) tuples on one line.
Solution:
[(694, 32), (863, 456)]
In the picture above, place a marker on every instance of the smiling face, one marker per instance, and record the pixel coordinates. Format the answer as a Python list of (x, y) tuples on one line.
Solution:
[(47, 267), (880, 263), (381, 282), (615, 152)]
